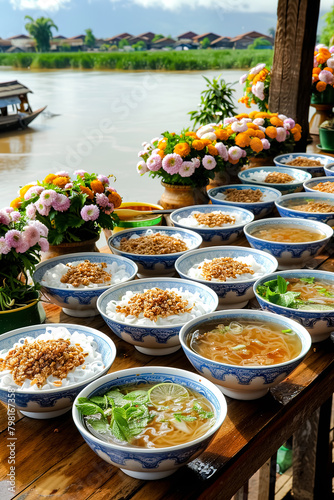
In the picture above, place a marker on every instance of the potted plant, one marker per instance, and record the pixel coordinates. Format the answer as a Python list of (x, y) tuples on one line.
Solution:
[(21, 241), (256, 87), (73, 209), (185, 163), (322, 92)]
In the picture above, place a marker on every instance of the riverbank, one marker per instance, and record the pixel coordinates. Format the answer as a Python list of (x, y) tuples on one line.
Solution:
[(146, 60)]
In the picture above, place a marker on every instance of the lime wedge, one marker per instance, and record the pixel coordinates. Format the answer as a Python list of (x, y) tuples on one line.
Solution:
[(162, 394)]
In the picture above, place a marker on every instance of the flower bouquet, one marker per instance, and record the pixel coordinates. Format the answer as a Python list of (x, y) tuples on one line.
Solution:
[(73, 210), (258, 134), (187, 159), (256, 87), (21, 241), (322, 73)]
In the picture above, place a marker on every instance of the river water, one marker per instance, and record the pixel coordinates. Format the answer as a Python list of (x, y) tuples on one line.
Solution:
[(97, 121)]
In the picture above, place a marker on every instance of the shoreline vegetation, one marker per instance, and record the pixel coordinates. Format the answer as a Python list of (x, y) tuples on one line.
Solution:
[(191, 60)]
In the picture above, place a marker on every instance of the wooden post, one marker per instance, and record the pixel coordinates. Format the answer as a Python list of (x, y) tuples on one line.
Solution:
[(290, 87)]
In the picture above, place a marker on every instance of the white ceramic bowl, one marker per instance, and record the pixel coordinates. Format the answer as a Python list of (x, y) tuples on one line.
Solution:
[(153, 340), (244, 382), (286, 203), (151, 463), (259, 209), (224, 235), (319, 324), (289, 255), (43, 404), (81, 302), (232, 294), (155, 265), (315, 171), (252, 176)]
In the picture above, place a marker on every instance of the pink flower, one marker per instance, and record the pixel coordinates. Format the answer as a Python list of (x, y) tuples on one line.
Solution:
[(331, 49), (102, 200), (81, 173), (288, 123), (258, 90), (282, 117), (31, 235), (209, 162), (242, 79), (62, 173), (47, 197), (258, 121), (4, 247), (243, 154), (187, 169), (235, 153), (104, 179), (260, 67), (232, 119), (141, 153), (13, 238), (69, 185), (44, 244), (154, 163), (172, 163), (281, 134), (33, 190), (4, 218), (239, 127), (319, 46), (31, 211), (222, 150), (265, 143), (90, 212), (8, 210), (142, 167), (196, 162), (15, 216), (326, 76), (61, 203), (41, 208), (330, 62), (43, 230), (22, 247)]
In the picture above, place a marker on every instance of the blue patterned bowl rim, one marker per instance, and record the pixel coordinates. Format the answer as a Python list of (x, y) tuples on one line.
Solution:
[(299, 196), (329, 167), (151, 283), (184, 375), (315, 180), (155, 229), (239, 251), (93, 257), (327, 159), (39, 329), (289, 221), (264, 189), (251, 314), (210, 208), (302, 174), (295, 273)]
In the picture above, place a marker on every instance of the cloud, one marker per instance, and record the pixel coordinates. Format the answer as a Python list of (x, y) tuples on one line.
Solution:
[(48, 5), (243, 6)]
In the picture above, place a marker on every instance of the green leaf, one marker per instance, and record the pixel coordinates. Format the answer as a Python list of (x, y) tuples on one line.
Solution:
[(187, 418), (101, 401), (139, 397), (119, 426), (85, 407), (308, 280), (99, 425), (282, 284)]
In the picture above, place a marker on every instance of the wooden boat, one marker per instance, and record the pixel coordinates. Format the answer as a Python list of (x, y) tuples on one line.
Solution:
[(15, 110)]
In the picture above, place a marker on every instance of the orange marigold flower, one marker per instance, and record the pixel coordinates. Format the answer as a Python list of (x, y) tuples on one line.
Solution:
[(87, 191), (249, 89), (97, 186), (115, 199), (161, 153), (191, 134), (297, 136), (276, 121), (325, 52), (24, 189), (206, 142), (271, 132), (321, 59), (321, 86), (259, 134), (316, 70), (262, 114), (298, 127), (234, 162), (252, 114), (60, 181), (198, 144), (162, 144), (252, 125), (242, 140), (49, 178), (212, 150), (250, 132), (256, 144), (16, 203), (242, 115), (315, 77), (222, 134), (182, 149), (328, 69)]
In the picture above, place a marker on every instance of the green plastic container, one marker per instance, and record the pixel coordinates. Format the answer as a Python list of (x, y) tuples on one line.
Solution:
[(326, 136), (32, 314)]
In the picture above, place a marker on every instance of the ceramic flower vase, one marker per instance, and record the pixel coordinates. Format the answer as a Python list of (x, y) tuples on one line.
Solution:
[(229, 176), (175, 196), (74, 247), (255, 161), (323, 103)]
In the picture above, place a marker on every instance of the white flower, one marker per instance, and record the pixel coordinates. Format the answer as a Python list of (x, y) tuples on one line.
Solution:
[(209, 135), (203, 130)]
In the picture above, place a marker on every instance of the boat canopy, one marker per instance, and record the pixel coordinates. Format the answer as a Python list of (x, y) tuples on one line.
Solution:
[(7, 101), (12, 89)]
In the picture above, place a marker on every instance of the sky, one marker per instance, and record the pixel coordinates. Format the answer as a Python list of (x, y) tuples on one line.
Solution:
[(167, 17)]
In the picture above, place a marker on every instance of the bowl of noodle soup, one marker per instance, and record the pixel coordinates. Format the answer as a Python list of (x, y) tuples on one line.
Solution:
[(244, 352), (311, 206), (291, 240), (165, 452), (148, 313), (50, 394), (314, 308)]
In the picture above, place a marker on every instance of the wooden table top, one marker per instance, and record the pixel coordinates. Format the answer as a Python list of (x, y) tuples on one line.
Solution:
[(52, 459)]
